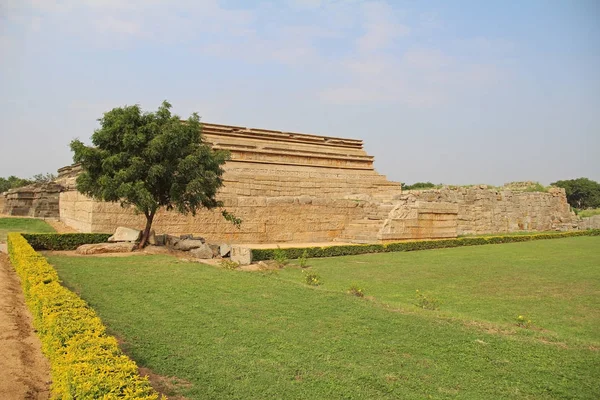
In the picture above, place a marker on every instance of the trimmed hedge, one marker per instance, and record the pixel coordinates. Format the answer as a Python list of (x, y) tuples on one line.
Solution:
[(85, 362), (63, 241), (335, 251)]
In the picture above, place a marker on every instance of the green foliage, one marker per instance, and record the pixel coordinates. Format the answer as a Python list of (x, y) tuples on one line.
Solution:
[(303, 259), (151, 160), (536, 187), (43, 178), (347, 250), (588, 213), (426, 301), (420, 185), (280, 257), (63, 241), (356, 290), (228, 264), (523, 322), (311, 278), (85, 362), (581, 192), (13, 182)]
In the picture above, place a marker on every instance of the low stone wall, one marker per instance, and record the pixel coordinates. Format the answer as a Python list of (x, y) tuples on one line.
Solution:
[(592, 222), (487, 211), (265, 219), (38, 200), (2, 202)]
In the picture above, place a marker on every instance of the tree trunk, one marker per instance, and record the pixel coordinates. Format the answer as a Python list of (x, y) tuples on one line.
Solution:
[(146, 233)]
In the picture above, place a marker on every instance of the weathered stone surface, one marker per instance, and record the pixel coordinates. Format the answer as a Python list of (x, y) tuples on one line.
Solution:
[(39, 200), (188, 244), (241, 255), (158, 240), (224, 250), (592, 222), (101, 248), (215, 249), (203, 252), (292, 187), (124, 234)]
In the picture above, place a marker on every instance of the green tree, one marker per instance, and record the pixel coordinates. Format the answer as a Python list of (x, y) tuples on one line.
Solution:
[(581, 192), (43, 178), (151, 160), (13, 182)]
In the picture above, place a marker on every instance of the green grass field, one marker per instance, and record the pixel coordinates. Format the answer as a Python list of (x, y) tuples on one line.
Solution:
[(23, 225), (589, 213), (253, 335)]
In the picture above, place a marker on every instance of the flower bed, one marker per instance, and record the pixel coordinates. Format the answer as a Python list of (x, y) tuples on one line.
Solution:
[(85, 362)]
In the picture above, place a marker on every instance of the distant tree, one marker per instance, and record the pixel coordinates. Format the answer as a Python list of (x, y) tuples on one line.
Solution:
[(13, 182), (418, 185), (581, 192), (151, 160), (43, 178)]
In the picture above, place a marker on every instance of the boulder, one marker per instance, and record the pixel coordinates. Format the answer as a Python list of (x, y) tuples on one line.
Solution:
[(101, 248), (215, 250), (241, 255), (202, 252), (123, 234), (188, 244), (224, 250), (159, 240), (171, 240)]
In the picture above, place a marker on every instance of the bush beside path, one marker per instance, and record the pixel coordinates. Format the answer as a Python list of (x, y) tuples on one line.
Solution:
[(24, 371)]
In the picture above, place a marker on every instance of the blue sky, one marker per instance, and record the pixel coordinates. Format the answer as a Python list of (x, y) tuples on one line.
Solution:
[(457, 92)]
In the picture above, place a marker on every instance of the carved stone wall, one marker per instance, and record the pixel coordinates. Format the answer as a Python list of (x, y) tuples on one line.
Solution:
[(38, 200), (286, 187), (482, 210), (290, 187), (592, 222)]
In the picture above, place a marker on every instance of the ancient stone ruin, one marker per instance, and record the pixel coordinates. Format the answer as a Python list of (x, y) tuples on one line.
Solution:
[(37, 200), (292, 187)]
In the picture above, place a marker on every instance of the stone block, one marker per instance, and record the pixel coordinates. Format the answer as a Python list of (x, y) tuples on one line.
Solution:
[(188, 244), (241, 255), (101, 248), (224, 250), (204, 252), (124, 234)]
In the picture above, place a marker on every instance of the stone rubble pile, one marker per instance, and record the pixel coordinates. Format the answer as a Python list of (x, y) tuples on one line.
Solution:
[(126, 240)]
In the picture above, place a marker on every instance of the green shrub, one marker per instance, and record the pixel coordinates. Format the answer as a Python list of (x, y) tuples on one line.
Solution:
[(523, 322), (311, 278), (85, 362), (63, 241), (426, 302), (347, 250), (302, 260), (229, 264), (356, 290), (280, 257)]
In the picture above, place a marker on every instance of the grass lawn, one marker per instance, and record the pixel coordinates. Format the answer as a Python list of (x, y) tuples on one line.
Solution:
[(24, 225), (248, 335), (589, 213)]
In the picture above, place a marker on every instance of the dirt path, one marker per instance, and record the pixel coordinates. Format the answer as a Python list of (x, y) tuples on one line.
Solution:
[(24, 371)]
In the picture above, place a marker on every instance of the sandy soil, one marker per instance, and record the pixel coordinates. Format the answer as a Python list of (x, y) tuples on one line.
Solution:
[(24, 371)]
